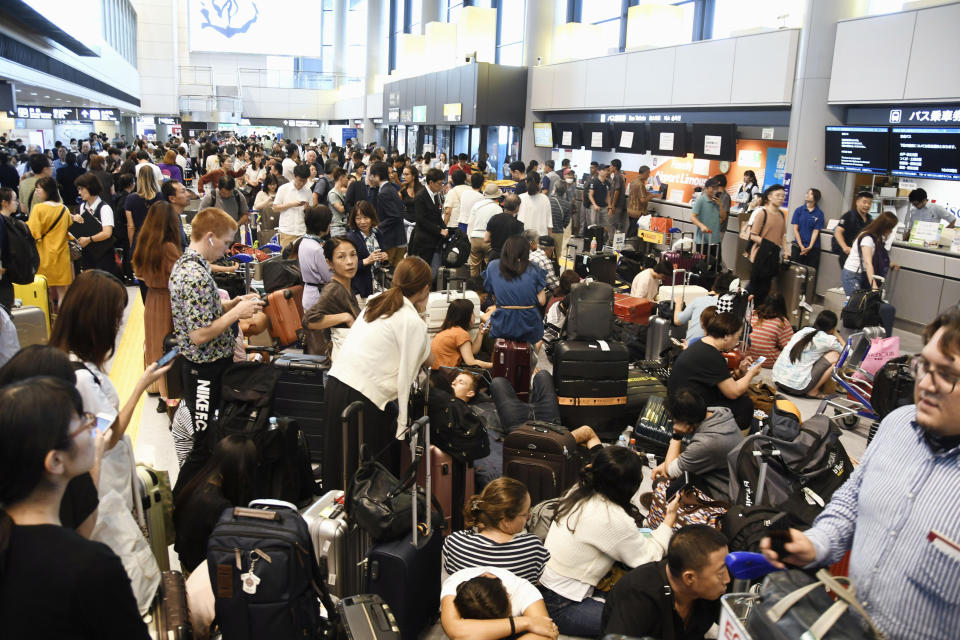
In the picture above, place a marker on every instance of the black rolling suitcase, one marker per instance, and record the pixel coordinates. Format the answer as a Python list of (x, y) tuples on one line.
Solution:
[(368, 617), (299, 396), (406, 572), (591, 383), (654, 428)]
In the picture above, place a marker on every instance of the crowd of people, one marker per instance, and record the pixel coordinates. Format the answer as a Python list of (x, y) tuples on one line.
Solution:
[(368, 231)]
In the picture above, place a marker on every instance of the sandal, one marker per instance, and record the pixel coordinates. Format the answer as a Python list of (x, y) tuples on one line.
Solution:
[(817, 396)]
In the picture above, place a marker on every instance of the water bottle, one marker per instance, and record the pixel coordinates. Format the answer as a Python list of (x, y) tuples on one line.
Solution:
[(593, 244), (622, 441), (633, 444), (273, 424)]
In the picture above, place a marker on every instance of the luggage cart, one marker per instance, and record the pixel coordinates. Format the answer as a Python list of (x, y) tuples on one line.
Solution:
[(852, 379), (734, 608)]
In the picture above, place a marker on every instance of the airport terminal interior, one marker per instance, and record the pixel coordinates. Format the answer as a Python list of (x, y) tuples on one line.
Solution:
[(479, 319)]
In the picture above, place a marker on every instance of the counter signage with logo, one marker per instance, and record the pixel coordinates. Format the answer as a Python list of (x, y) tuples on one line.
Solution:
[(64, 113)]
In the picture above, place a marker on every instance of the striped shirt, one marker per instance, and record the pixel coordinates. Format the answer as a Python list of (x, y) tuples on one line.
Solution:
[(768, 338), (901, 491), (524, 555)]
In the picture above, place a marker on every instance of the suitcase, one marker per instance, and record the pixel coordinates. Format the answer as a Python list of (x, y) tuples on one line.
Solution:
[(344, 547), (631, 309), (31, 325), (368, 617), (453, 483), (299, 395), (439, 301), (591, 312), (543, 457), (575, 246), (35, 295), (654, 427), (157, 498), (641, 386), (286, 314), (447, 276), (170, 616), (591, 383), (511, 360), (796, 284), (683, 259), (602, 267), (406, 572)]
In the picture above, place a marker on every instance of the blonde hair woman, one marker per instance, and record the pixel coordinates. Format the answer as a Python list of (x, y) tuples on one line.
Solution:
[(138, 203)]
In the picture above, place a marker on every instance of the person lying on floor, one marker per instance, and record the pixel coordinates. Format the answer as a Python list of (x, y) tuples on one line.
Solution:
[(714, 435), (488, 603)]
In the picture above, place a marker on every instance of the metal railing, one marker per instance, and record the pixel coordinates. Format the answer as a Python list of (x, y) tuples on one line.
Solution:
[(210, 103), (196, 75), (276, 79)]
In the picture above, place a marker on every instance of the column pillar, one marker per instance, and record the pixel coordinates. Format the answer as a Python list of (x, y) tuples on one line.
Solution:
[(433, 11), (542, 16), (340, 39)]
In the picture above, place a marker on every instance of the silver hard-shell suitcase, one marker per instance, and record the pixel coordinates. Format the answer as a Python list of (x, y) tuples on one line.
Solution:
[(31, 325), (796, 285)]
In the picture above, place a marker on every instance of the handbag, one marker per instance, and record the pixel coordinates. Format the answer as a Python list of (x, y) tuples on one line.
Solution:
[(763, 396), (794, 605), (696, 507), (76, 251), (862, 309)]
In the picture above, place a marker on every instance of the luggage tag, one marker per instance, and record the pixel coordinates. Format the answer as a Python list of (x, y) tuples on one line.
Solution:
[(249, 580)]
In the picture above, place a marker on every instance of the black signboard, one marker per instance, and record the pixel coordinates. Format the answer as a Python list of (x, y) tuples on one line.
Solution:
[(925, 153), (668, 139), (857, 149), (715, 141)]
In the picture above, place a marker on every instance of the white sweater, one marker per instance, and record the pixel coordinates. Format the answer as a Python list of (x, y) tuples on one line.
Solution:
[(380, 359), (603, 534)]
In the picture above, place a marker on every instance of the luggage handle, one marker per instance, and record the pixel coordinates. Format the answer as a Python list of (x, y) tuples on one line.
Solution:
[(355, 407), (244, 512)]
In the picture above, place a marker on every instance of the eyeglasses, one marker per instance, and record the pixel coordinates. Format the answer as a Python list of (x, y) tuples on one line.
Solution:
[(944, 380), (88, 422)]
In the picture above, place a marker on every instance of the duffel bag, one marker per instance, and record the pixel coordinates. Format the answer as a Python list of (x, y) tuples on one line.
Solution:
[(794, 605), (862, 309)]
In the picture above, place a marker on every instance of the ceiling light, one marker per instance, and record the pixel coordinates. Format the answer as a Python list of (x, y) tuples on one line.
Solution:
[(19, 90), (32, 93)]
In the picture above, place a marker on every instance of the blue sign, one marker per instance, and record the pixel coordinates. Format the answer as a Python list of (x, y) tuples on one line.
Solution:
[(787, 179), (775, 166), (229, 17), (349, 133)]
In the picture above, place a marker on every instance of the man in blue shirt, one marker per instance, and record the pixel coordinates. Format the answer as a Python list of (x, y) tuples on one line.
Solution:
[(899, 513), (808, 221), (707, 217)]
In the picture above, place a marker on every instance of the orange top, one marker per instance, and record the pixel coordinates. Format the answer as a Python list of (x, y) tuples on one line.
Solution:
[(446, 347)]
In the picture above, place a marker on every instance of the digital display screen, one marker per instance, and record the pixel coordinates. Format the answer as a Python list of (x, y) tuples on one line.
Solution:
[(668, 139), (857, 149), (715, 141), (925, 153), (543, 135), (275, 28)]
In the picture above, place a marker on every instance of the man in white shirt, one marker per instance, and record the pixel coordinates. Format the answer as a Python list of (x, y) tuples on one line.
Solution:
[(291, 161), (468, 199), (922, 210), (451, 203), (552, 176), (289, 202), (486, 208), (535, 210)]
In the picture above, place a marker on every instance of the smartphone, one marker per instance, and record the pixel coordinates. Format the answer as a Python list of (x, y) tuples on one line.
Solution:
[(779, 532), (105, 420), (167, 357), (680, 485), (759, 361), (676, 342)]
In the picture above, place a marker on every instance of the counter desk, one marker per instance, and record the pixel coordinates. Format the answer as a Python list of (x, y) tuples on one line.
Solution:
[(928, 282)]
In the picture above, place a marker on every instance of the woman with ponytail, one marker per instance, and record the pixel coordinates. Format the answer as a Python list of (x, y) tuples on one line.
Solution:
[(806, 363), (495, 536), (596, 525), (53, 582), (376, 365)]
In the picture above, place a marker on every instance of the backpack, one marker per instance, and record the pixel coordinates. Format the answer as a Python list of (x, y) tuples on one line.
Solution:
[(456, 250), (744, 527), (862, 309), (20, 256), (541, 517), (456, 430), (322, 188), (892, 386), (591, 312), (245, 400), (264, 573)]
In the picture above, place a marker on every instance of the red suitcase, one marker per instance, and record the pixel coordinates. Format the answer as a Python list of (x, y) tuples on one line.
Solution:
[(630, 309), (511, 360), (444, 472), (286, 314)]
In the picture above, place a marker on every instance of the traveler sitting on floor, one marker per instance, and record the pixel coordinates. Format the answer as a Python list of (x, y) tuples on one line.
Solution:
[(53, 582), (329, 319), (703, 369), (452, 345), (225, 481), (690, 315), (376, 366), (770, 330), (495, 533), (595, 526), (647, 283), (806, 363), (567, 279), (519, 288), (714, 435), (488, 603), (693, 576)]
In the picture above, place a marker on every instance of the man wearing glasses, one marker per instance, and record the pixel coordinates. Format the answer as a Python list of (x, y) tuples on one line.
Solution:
[(899, 513)]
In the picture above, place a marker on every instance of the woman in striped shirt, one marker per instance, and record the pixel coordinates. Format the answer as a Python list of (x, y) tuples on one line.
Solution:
[(771, 331), (495, 536)]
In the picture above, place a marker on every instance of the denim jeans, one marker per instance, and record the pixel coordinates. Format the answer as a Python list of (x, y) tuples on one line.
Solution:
[(850, 281), (582, 618), (514, 412)]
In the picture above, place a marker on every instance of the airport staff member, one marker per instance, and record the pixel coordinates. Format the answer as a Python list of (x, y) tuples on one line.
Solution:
[(925, 211)]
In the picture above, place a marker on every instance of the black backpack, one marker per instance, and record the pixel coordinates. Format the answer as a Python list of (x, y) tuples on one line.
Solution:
[(744, 527), (265, 575), (892, 386), (20, 256), (455, 429), (591, 312), (862, 309), (456, 249), (245, 399)]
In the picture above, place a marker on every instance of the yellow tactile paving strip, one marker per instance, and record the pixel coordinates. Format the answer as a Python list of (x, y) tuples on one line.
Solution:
[(128, 363)]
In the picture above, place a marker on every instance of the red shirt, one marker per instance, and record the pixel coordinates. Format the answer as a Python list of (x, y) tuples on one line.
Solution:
[(463, 167)]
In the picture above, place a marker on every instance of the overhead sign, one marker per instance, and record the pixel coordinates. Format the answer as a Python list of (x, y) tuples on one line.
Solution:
[(169, 121), (393, 115), (348, 133), (905, 115), (420, 113), (253, 27), (453, 112), (64, 113), (406, 115), (641, 117), (301, 123)]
